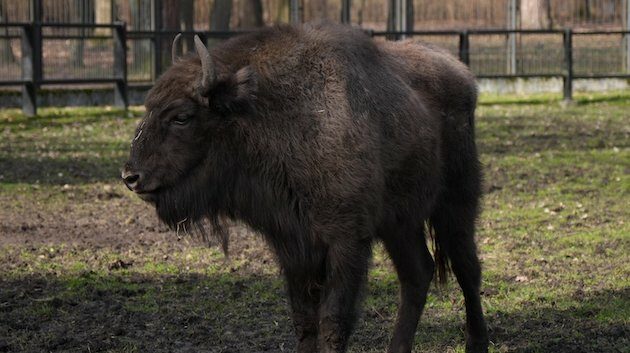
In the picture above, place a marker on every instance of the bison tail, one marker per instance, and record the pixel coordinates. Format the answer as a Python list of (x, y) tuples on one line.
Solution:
[(440, 258)]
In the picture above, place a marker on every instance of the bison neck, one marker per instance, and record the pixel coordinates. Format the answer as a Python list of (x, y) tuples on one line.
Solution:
[(265, 203)]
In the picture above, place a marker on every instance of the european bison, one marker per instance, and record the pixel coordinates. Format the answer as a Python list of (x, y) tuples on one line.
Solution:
[(323, 141)]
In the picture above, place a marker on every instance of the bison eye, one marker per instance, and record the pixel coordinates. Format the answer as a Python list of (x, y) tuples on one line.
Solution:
[(181, 119)]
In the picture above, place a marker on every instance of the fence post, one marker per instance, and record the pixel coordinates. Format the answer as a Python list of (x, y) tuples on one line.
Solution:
[(346, 6), (567, 40), (295, 12), (400, 18), (464, 47), (156, 24), (32, 58), (626, 36), (29, 88), (36, 19), (120, 65), (512, 22)]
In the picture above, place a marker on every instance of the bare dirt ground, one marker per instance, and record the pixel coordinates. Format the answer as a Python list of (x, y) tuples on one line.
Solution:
[(107, 236), (86, 267)]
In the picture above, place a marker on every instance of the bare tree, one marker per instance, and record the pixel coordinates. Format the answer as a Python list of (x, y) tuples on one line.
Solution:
[(318, 10), (548, 14), (587, 11), (360, 13), (187, 21), (251, 14), (220, 15), (6, 52), (170, 14), (282, 12), (179, 15)]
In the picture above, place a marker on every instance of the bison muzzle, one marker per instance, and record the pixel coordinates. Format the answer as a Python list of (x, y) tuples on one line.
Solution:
[(324, 141)]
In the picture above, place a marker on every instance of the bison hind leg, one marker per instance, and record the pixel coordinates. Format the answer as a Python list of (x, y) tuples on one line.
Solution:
[(454, 226), (408, 250)]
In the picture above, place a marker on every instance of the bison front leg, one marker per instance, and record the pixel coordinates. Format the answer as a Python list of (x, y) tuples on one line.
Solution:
[(304, 294), (346, 273)]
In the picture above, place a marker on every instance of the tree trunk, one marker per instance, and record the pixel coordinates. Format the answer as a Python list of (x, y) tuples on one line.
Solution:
[(170, 14), (391, 16), (251, 14), (187, 20), (6, 52), (549, 14), (410, 16), (318, 10), (170, 21), (282, 12), (187, 15), (221, 15), (360, 13), (102, 15), (587, 10)]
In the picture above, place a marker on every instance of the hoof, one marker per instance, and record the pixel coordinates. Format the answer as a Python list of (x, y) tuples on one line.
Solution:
[(479, 346)]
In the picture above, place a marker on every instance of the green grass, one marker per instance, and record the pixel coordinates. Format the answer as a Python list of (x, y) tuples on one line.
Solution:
[(92, 264)]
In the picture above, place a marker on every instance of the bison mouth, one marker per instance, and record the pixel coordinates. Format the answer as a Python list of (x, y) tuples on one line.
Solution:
[(148, 196), (145, 195)]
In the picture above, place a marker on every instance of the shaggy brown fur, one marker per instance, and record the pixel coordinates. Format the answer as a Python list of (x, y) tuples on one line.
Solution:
[(323, 141)]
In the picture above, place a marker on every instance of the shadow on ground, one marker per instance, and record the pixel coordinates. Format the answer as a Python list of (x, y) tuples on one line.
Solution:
[(120, 311), (60, 171)]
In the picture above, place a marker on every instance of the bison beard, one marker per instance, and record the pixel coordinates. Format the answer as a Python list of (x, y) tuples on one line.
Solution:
[(185, 205), (323, 141)]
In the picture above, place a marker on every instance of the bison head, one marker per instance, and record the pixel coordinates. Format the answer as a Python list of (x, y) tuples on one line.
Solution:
[(182, 149)]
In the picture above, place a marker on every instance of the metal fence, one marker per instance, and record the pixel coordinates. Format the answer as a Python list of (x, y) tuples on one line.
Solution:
[(567, 54), (103, 61), (40, 52)]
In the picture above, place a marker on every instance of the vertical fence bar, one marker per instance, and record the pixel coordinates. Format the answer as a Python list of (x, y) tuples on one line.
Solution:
[(400, 18), (29, 88), (464, 47), (626, 36), (156, 25), (346, 6), (567, 40), (512, 22), (36, 20), (295, 11), (113, 10), (32, 58), (121, 98)]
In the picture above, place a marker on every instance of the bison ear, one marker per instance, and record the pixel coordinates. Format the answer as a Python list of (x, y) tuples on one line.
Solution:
[(236, 93)]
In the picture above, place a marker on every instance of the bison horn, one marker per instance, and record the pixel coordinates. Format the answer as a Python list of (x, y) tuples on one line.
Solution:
[(174, 47), (206, 65)]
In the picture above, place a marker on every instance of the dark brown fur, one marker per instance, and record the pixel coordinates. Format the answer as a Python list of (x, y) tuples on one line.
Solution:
[(323, 141)]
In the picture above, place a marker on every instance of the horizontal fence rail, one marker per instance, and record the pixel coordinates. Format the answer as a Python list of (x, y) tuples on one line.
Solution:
[(103, 61), (78, 54)]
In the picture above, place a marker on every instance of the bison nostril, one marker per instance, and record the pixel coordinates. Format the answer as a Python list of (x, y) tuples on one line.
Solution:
[(130, 178)]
